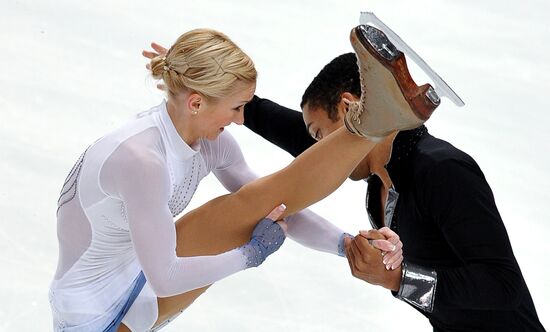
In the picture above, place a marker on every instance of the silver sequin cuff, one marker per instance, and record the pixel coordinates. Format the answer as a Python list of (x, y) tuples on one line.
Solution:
[(418, 286), (341, 244)]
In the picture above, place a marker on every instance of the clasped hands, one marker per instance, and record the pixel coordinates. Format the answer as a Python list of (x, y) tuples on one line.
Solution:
[(375, 256)]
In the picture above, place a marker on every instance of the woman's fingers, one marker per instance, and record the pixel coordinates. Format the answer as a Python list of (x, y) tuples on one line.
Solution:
[(393, 259), (159, 48), (277, 212), (383, 245), (390, 235), (391, 247), (149, 54)]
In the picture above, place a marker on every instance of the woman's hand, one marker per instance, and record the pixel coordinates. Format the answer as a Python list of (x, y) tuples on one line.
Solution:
[(392, 247), (267, 237)]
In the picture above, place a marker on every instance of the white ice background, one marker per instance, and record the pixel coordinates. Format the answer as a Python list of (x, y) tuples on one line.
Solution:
[(71, 71)]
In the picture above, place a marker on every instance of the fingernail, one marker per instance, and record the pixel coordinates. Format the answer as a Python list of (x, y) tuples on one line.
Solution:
[(393, 249), (282, 207), (384, 261), (387, 267)]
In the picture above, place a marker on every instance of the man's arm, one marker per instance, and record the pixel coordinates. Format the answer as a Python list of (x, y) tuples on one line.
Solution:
[(279, 125), (456, 197), (460, 202)]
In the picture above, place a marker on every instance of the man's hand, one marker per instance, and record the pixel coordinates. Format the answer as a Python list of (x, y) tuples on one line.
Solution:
[(365, 261)]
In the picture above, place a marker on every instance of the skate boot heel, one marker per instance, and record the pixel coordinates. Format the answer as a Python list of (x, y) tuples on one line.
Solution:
[(432, 96), (425, 102)]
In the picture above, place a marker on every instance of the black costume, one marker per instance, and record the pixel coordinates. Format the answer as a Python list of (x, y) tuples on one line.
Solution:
[(459, 269)]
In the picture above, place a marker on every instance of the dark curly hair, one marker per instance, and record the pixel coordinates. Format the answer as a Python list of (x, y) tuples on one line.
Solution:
[(338, 76)]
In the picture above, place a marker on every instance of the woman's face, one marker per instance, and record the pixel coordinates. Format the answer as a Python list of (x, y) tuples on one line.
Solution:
[(219, 114)]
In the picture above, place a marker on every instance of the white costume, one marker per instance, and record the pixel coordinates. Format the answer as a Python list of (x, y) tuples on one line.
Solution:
[(116, 218)]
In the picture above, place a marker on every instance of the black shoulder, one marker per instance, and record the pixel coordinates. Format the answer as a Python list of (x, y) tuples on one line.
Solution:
[(437, 158)]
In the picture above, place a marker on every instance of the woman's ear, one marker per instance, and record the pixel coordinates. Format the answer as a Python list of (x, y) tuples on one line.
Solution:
[(194, 103)]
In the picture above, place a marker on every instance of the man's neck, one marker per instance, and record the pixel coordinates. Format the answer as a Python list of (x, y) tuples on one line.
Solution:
[(379, 157)]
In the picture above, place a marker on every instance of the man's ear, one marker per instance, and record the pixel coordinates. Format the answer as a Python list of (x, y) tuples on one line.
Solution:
[(345, 99)]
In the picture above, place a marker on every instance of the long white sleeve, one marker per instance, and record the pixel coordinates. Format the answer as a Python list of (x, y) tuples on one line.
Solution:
[(314, 231), (304, 227), (144, 189), (116, 215)]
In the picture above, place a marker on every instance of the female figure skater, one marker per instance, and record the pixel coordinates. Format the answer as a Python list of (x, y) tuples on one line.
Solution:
[(122, 260)]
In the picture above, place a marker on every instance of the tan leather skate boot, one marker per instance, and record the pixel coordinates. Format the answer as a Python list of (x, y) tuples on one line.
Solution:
[(390, 99)]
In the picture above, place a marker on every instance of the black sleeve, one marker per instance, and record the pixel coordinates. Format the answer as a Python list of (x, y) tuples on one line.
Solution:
[(279, 125), (462, 205)]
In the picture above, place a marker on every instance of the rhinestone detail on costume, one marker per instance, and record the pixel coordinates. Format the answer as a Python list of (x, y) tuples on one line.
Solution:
[(182, 193), (69, 189)]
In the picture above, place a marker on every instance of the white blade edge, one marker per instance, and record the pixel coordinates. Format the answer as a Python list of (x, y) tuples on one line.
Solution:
[(440, 86)]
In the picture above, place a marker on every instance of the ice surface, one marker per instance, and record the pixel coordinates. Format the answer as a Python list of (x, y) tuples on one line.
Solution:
[(72, 70)]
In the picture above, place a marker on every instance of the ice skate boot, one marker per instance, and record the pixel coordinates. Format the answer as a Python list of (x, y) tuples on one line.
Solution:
[(390, 99)]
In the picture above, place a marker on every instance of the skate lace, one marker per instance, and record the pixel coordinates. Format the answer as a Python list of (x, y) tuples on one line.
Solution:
[(355, 111), (354, 107)]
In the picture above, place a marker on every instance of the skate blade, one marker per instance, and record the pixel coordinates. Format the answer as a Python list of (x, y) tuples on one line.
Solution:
[(440, 86)]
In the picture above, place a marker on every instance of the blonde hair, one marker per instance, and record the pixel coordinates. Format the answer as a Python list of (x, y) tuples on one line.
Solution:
[(204, 61)]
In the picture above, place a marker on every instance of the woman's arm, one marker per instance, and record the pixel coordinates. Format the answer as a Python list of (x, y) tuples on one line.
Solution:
[(139, 178)]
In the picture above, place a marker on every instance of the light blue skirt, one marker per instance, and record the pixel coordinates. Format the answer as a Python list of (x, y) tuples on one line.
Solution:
[(138, 286)]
